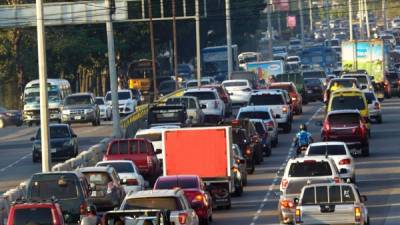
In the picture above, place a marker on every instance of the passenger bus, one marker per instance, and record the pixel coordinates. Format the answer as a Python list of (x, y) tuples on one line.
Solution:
[(248, 57), (140, 75), (319, 56)]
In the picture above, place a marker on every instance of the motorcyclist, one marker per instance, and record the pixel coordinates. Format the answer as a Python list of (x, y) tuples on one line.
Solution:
[(303, 138), (92, 218)]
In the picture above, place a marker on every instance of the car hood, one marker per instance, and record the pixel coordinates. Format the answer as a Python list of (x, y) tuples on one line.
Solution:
[(77, 107)]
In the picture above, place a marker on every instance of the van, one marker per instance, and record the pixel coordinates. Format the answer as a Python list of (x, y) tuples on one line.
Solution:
[(71, 190)]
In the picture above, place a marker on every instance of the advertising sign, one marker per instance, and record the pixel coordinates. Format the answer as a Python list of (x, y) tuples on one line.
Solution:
[(266, 69)]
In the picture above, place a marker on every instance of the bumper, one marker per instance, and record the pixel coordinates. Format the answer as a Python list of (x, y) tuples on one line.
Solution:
[(239, 99), (212, 112), (81, 118), (107, 202), (56, 153)]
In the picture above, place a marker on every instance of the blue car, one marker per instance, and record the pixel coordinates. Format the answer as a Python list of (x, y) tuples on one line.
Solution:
[(63, 143)]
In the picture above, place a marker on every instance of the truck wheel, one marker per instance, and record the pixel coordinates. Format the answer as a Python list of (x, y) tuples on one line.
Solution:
[(2, 123)]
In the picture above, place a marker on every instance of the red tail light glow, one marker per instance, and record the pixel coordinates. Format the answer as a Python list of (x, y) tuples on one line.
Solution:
[(337, 179), (357, 214), (345, 162), (287, 204), (285, 109), (132, 182), (284, 183), (327, 127), (182, 218), (269, 123)]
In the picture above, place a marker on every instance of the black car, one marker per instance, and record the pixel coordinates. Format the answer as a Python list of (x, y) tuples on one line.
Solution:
[(63, 143), (313, 89), (10, 117)]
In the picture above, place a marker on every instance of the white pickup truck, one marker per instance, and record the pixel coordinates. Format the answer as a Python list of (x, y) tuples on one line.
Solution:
[(331, 204)]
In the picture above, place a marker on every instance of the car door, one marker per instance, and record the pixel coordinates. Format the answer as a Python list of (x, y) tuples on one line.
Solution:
[(153, 157)]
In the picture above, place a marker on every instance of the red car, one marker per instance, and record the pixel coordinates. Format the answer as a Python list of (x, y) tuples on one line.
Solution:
[(138, 150), (195, 191), (296, 99), (48, 213), (224, 95), (347, 126)]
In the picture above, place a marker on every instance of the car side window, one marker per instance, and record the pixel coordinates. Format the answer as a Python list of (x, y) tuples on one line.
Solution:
[(334, 194), (347, 194), (142, 147), (321, 194), (192, 104), (133, 147)]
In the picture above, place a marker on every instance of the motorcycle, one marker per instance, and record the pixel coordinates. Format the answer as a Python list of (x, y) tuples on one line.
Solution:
[(301, 149)]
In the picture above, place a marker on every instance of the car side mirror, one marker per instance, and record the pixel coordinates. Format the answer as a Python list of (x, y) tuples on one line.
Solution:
[(364, 198), (158, 151), (296, 201), (32, 138), (202, 106), (343, 171), (319, 123)]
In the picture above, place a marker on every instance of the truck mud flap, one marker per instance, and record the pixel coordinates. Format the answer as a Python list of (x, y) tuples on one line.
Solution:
[(220, 194)]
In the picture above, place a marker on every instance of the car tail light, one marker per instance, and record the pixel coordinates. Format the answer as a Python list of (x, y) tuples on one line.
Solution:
[(284, 183), (216, 104), (327, 127), (269, 123), (377, 105), (287, 203), (345, 162), (132, 182), (337, 180), (83, 209), (248, 151), (246, 89), (294, 98), (357, 214), (298, 216), (285, 109), (182, 218)]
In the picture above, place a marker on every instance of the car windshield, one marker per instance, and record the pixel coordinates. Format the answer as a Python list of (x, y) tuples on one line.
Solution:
[(101, 178), (150, 137), (360, 79), (120, 167), (314, 74), (310, 82), (370, 97), (266, 99), (310, 168), (167, 203), (122, 95), (56, 132), (33, 216), (254, 115), (344, 119), (99, 101), (78, 100), (58, 186), (174, 183), (348, 102), (235, 84), (343, 83), (202, 95), (292, 59), (327, 149)]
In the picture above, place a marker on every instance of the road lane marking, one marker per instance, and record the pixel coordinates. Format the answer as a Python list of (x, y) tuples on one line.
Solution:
[(15, 163), (277, 176)]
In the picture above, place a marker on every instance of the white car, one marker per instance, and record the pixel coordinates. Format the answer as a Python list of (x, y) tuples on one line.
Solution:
[(239, 90), (154, 135), (339, 152), (265, 113), (374, 106), (276, 100), (294, 45), (364, 80), (105, 109), (193, 107), (128, 173), (293, 60), (173, 200), (126, 101), (212, 105)]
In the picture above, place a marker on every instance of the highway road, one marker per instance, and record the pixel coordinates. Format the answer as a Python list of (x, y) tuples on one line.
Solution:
[(16, 150), (378, 176)]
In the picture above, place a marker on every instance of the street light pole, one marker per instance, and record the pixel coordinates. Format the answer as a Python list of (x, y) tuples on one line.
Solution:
[(153, 51), (269, 7), (116, 131), (198, 61), (44, 109), (175, 43), (351, 20), (367, 18), (228, 37), (300, 5), (311, 15), (385, 25)]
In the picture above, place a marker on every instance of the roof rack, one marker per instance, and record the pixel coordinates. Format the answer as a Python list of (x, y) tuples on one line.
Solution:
[(23, 200)]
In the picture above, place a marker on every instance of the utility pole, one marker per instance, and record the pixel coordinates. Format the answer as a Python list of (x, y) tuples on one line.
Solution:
[(385, 25), (44, 109), (228, 37), (367, 18), (300, 5), (175, 43), (360, 19), (198, 61), (269, 7), (351, 20), (116, 132), (311, 16), (153, 51), (328, 17)]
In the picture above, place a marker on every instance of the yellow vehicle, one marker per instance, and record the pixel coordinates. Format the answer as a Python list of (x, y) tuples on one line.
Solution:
[(349, 98), (140, 75)]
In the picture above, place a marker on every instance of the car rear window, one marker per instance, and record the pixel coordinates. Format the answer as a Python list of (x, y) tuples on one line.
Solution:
[(33, 216), (312, 82), (123, 147), (101, 178), (266, 99), (360, 79), (327, 149), (259, 128), (203, 95), (254, 115), (235, 84), (348, 102), (56, 132), (99, 101), (120, 167), (370, 97), (60, 187), (288, 88), (166, 203), (336, 194), (174, 183), (310, 169), (344, 119), (314, 74)]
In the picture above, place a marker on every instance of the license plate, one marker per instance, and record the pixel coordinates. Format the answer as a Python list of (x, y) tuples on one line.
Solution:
[(77, 117), (53, 150)]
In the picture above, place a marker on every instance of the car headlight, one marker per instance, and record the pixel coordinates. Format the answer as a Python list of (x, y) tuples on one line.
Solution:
[(88, 111), (66, 111)]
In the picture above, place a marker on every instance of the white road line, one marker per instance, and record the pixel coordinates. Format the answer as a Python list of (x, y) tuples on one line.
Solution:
[(275, 180), (15, 163)]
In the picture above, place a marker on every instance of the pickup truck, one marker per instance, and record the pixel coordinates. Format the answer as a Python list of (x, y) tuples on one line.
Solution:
[(331, 204), (138, 150), (47, 212)]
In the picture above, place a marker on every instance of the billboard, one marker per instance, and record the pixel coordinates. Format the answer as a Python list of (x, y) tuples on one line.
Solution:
[(291, 22), (281, 5), (266, 69)]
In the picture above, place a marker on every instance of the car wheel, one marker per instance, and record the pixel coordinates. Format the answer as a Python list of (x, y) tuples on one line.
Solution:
[(35, 159), (365, 151), (2, 124)]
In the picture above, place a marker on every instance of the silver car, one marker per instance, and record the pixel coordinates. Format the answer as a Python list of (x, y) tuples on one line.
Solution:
[(374, 106), (80, 108), (239, 90), (193, 107)]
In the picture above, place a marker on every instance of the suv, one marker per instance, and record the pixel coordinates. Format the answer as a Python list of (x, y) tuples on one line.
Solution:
[(296, 99), (275, 100), (347, 126), (240, 90), (107, 192), (71, 189), (63, 143), (364, 80), (214, 107), (298, 173), (126, 101), (138, 150), (173, 200), (331, 204), (337, 83), (193, 107), (223, 95), (47, 212), (80, 108)]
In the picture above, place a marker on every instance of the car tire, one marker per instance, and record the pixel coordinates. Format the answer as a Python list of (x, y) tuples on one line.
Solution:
[(2, 124), (35, 159)]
